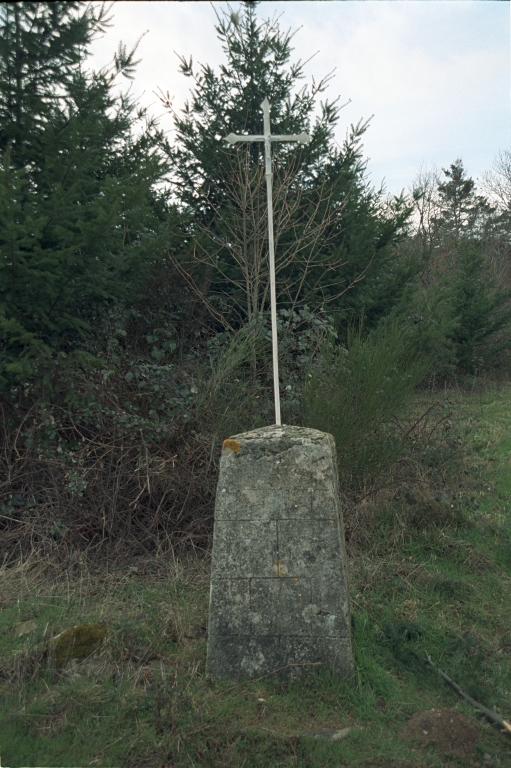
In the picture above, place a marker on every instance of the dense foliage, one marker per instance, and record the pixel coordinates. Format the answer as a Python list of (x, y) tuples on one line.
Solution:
[(462, 304), (80, 220), (134, 286), (334, 234)]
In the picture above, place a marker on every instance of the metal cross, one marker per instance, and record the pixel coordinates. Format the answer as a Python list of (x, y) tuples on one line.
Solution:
[(303, 138)]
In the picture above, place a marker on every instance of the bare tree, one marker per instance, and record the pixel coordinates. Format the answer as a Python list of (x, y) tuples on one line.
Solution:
[(425, 241), (497, 182), (234, 248), (426, 203)]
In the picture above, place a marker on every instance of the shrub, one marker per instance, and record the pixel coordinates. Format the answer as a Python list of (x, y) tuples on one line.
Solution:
[(356, 392)]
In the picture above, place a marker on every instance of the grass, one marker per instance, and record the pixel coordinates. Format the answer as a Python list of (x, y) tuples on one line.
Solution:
[(430, 570)]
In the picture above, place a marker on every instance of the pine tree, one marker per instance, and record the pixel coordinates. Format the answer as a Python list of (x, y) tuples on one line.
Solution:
[(462, 213), (463, 310), (361, 230), (80, 220), (479, 309), (41, 47)]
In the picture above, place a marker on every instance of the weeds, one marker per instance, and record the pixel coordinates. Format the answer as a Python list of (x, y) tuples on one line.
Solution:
[(109, 478), (428, 573), (356, 393), (114, 528)]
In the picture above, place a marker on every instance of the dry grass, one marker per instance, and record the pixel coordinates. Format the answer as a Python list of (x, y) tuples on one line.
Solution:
[(417, 555)]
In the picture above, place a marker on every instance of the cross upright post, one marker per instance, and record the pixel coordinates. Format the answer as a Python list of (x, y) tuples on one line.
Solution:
[(267, 137)]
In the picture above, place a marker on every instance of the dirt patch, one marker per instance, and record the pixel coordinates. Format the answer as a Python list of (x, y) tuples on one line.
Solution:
[(447, 728), (383, 762)]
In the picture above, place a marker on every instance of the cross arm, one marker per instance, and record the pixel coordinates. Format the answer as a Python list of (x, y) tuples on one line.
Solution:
[(303, 138), (232, 138)]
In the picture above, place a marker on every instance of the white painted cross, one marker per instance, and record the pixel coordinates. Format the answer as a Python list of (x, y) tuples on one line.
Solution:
[(303, 138)]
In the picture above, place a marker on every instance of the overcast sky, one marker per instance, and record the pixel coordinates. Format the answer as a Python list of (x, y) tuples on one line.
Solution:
[(434, 73)]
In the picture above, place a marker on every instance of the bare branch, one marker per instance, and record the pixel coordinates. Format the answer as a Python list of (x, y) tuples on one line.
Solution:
[(235, 245)]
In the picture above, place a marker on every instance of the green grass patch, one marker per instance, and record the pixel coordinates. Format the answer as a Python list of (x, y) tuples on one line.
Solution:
[(430, 571)]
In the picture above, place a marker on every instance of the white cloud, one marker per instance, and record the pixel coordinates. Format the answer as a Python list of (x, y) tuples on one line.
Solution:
[(435, 74)]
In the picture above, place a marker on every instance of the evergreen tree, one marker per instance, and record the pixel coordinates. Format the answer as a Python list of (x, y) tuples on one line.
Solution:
[(41, 48), (358, 231), (462, 212), (80, 220), (479, 309)]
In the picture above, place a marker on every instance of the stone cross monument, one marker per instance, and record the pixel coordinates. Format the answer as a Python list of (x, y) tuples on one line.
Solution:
[(279, 586)]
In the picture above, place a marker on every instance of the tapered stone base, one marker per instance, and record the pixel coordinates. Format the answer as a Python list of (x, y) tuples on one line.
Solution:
[(279, 590)]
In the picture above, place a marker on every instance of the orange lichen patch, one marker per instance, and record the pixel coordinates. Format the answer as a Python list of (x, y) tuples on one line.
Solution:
[(232, 444), (279, 569)]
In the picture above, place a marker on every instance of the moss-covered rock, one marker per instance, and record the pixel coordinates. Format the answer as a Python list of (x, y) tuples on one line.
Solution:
[(78, 642)]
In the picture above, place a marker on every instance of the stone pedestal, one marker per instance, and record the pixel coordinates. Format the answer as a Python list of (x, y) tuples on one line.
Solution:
[(279, 588)]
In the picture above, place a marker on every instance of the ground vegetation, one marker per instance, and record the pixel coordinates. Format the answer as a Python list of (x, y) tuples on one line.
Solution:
[(134, 324), (135, 337)]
